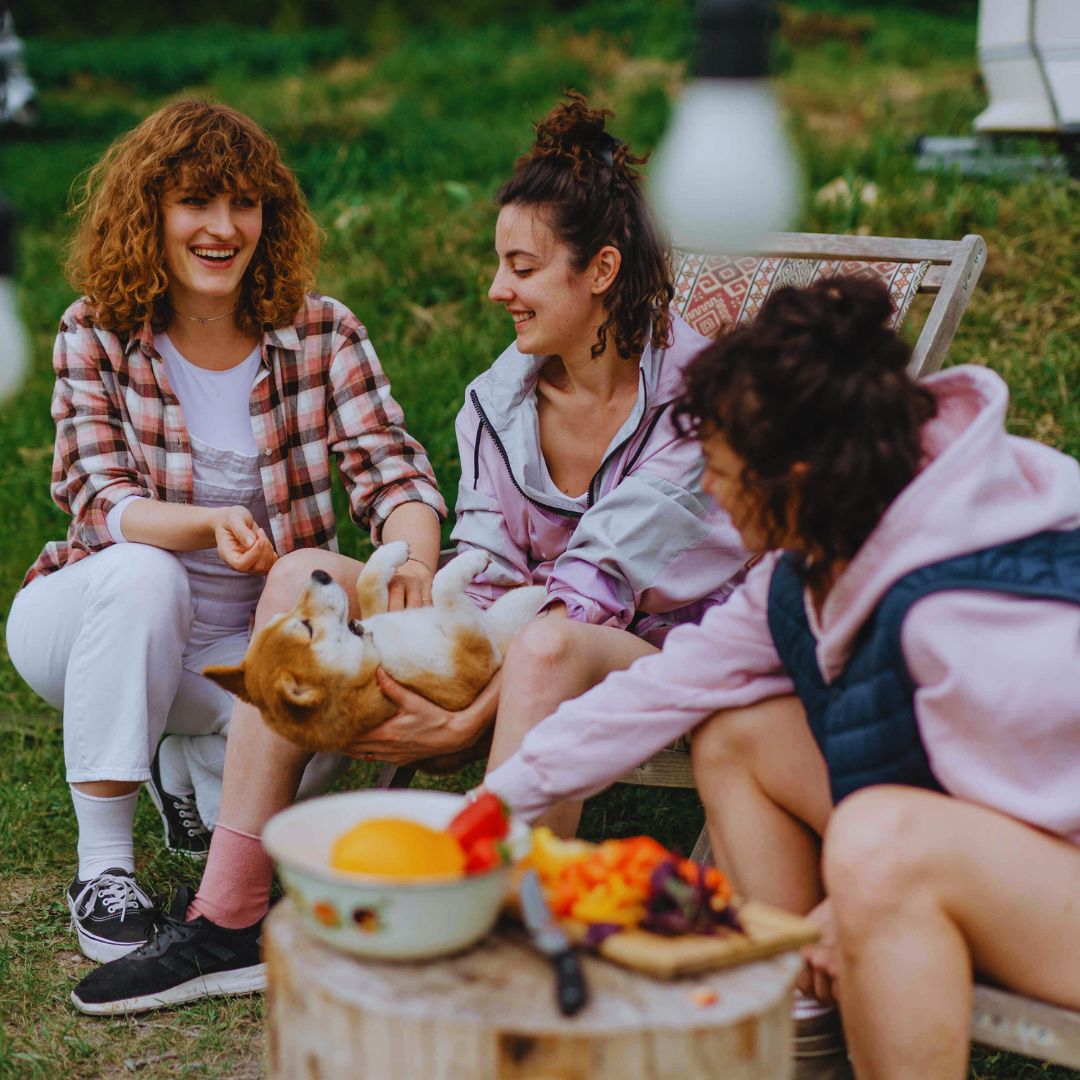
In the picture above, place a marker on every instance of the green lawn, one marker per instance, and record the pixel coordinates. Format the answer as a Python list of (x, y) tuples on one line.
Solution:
[(400, 148)]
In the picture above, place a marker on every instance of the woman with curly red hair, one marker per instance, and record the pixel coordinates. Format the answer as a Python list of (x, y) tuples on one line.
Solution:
[(201, 392)]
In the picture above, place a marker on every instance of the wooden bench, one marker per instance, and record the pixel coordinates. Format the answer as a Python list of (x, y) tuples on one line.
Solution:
[(715, 294)]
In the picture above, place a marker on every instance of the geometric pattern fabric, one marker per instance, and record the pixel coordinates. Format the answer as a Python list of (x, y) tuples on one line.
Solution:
[(716, 293)]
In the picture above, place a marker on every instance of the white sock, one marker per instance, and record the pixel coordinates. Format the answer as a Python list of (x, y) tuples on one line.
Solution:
[(104, 832), (172, 761), (806, 1007)]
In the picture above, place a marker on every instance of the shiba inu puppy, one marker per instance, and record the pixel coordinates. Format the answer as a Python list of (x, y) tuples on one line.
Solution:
[(311, 671)]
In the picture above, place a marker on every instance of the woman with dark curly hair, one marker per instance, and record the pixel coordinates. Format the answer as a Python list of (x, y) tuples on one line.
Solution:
[(910, 645), (573, 476), (201, 393)]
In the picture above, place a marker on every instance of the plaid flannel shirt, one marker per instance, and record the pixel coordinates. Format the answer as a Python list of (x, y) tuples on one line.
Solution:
[(319, 390)]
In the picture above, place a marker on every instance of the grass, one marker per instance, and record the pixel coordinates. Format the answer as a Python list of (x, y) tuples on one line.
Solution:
[(399, 148)]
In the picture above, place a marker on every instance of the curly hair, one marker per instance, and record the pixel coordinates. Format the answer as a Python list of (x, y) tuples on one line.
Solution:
[(584, 181), (817, 381), (116, 255)]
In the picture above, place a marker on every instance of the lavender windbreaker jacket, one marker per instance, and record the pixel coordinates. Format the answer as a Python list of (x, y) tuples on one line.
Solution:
[(997, 676), (648, 551)]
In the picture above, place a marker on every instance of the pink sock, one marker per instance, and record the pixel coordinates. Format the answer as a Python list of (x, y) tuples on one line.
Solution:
[(235, 887)]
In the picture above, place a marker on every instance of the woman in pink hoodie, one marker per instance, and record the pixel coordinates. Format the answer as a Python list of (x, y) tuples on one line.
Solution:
[(910, 646)]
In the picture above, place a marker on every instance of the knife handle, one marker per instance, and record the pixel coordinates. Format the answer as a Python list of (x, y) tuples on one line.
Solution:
[(570, 987)]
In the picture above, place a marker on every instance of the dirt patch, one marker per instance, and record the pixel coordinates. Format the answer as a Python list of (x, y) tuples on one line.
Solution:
[(14, 892), (806, 29)]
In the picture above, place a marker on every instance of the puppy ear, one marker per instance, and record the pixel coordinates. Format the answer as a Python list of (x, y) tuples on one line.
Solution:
[(296, 693), (229, 677)]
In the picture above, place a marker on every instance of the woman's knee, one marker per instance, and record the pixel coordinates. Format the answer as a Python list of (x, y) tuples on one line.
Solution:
[(288, 576), (736, 738), (140, 579), (543, 650), (878, 847)]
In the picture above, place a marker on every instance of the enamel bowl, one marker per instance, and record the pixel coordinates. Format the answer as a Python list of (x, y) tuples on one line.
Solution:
[(373, 917)]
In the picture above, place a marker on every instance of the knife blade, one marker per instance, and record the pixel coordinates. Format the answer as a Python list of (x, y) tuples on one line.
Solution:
[(546, 934)]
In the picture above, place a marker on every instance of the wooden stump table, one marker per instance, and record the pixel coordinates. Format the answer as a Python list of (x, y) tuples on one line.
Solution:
[(489, 1014)]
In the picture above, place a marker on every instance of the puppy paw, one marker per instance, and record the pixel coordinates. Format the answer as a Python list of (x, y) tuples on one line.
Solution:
[(391, 555), (470, 564), (450, 582)]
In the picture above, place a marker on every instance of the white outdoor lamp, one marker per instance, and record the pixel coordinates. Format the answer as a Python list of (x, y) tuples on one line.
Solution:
[(724, 173)]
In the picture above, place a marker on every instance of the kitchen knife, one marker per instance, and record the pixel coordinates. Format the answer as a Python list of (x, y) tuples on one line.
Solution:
[(549, 938)]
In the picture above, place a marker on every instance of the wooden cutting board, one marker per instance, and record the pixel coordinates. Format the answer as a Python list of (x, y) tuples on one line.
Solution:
[(768, 931)]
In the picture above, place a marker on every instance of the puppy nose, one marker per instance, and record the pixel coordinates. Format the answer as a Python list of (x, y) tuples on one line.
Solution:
[(321, 576)]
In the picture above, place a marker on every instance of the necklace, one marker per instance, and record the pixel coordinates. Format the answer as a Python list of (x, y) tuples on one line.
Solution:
[(205, 318)]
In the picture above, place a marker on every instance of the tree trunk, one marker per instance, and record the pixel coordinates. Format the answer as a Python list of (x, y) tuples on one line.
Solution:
[(489, 1014)]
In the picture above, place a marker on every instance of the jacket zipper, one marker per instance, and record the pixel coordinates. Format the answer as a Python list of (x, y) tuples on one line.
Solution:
[(485, 422), (618, 449)]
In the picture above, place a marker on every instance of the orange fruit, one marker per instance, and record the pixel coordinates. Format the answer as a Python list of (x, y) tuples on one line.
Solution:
[(397, 848)]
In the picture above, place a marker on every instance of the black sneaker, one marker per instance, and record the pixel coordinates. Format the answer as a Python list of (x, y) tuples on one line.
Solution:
[(110, 913), (185, 832), (182, 961)]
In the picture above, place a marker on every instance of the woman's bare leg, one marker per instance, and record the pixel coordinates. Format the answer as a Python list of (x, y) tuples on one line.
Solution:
[(262, 769), (923, 888), (765, 789), (549, 662)]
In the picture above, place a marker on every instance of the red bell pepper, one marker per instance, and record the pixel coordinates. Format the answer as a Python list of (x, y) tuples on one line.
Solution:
[(483, 819), (484, 854)]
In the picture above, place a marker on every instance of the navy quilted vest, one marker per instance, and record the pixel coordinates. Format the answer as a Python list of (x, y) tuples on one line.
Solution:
[(864, 721)]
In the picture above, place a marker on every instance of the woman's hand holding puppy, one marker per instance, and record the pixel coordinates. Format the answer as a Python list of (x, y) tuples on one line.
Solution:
[(422, 729), (410, 587)]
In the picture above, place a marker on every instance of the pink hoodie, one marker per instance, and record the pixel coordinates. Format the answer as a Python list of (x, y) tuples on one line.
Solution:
[(998, 676)]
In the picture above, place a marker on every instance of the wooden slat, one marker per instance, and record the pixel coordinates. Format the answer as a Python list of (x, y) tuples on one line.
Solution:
[(870, 248), (933, 279), (956, 289), (669, 768), (1025, 1026)]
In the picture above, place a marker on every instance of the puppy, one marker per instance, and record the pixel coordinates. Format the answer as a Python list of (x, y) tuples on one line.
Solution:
[(311, 671)]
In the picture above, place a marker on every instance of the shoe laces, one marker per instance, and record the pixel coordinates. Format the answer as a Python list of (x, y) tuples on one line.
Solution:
[(118, 895), (167, 930), (188, 813)]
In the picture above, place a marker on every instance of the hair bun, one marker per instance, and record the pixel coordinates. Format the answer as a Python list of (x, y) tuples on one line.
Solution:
[(577, 132), (859, 307), (854, 317)]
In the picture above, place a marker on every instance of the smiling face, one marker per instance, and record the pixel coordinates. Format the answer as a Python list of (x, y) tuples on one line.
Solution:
[(556, 309), (209, 242)]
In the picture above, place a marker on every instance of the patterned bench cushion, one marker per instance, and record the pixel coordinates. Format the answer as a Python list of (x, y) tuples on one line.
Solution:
[(715, 293)]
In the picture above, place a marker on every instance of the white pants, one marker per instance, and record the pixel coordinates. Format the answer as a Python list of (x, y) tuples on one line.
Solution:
[(116, 643)]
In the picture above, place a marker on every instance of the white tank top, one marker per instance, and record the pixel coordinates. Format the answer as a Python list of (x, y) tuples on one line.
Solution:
[(225, 472)]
